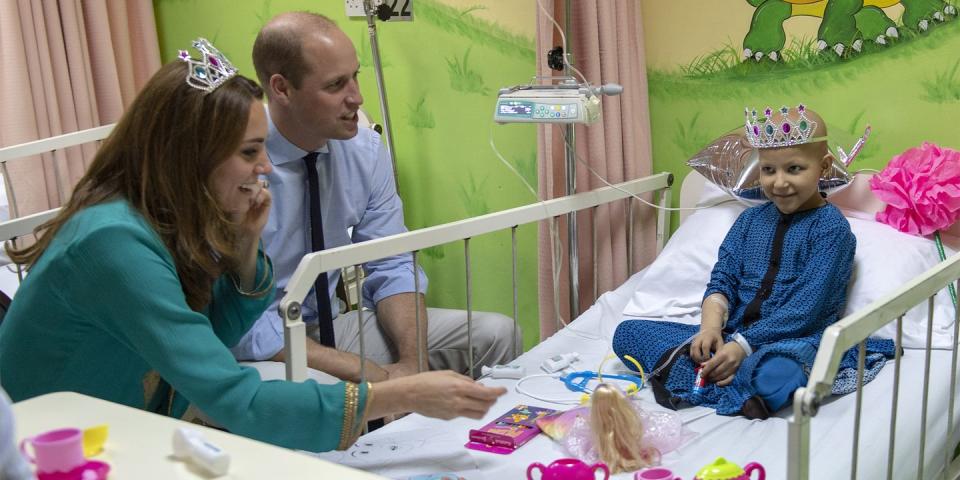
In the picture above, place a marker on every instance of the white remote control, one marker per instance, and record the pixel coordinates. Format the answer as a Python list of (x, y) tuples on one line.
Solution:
[(503, 371)]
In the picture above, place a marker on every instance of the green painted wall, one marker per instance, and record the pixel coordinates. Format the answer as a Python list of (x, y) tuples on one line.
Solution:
[(909, 90), (442, 73)]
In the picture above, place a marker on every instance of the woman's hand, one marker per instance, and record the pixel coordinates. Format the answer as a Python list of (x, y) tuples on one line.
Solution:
[(723, 366), (439, 394), (709, 340), (251, 224)]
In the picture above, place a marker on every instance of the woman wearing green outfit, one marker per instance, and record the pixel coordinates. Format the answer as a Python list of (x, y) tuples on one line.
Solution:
[(153, 269)]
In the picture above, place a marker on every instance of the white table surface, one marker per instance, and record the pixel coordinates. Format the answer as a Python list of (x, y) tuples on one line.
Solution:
[(139, 445)]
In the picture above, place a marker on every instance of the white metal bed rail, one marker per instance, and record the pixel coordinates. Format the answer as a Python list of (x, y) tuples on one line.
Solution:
[(356, 255), (18, 227), (853, 330)]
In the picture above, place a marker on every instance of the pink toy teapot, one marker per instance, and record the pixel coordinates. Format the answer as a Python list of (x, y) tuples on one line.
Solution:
[(567, 469), (721, 469)]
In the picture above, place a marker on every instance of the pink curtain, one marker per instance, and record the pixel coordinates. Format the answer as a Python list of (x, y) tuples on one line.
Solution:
[(606, 39), (68, 65)]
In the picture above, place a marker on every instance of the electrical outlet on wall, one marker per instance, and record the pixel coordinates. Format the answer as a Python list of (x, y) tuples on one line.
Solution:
[(354, 8)]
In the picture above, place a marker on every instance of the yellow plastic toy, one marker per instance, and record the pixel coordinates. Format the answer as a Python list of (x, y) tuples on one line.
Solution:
[(93, 440), (721, 469)]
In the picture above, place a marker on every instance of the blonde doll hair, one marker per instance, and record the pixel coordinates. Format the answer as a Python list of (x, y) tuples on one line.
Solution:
[(618, 431)]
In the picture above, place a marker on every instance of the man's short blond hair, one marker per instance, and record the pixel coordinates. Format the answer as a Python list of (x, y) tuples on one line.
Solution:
[(279, 46)]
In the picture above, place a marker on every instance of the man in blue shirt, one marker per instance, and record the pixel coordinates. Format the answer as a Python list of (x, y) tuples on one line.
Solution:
[(308, 68)]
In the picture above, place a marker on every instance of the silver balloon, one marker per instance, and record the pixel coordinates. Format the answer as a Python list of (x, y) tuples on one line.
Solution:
[(732, 163)]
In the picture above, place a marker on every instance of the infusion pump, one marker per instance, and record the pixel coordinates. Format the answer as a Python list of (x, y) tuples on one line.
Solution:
[(547, 104)]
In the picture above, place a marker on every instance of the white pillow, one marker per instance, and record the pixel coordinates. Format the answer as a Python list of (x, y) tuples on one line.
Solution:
[(886, 259), (673, 285)]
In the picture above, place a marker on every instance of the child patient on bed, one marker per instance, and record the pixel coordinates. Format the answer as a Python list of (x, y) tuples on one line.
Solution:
[(780, 279)]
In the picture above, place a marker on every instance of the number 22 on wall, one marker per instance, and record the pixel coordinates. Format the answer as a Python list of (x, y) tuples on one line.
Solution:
[(401, 9), (385, 10)]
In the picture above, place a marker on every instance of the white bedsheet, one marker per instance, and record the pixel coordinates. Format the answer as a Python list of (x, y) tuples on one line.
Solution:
[(420, 445)]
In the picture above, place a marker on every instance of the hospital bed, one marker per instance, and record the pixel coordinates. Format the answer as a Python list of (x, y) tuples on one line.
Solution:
[(903, 424), (906, 414), (18, 226)]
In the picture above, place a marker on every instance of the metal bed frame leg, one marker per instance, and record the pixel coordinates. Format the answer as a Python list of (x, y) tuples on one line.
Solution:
[(896, 398), (556, 249), (14, 209), (663, 225), (953, 389), (294, 342), (56, 174), (466, 258), (516, 304), (861, 360), (358, 281), (11, 195), (798, 437), (416, 308), (593, 242), (926, 388), (629, 233)]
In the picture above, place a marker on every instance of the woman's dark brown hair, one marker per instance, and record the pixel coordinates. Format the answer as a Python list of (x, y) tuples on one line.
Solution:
[(159, 158)]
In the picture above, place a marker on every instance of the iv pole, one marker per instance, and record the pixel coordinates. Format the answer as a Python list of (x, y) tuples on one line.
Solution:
[(571, 172), (370, 11)]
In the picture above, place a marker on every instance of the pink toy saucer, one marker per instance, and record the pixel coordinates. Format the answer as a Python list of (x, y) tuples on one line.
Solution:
[(91, 470)]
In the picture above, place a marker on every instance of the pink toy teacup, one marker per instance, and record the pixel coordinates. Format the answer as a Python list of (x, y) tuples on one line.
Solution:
[(55, 451), (656, 473), (567, 469)]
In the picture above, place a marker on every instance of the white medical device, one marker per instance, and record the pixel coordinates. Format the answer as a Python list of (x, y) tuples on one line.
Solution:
[(567, 102), (504, 371), (559, 362), (191, 445)]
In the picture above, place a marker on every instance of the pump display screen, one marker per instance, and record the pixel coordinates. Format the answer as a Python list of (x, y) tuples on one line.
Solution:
[(516, 109)]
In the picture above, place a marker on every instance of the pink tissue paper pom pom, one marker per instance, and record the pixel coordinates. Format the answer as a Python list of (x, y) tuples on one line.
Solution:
[(921, 188)]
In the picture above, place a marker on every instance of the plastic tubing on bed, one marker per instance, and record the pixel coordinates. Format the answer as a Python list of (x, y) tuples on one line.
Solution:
[(672, 354)]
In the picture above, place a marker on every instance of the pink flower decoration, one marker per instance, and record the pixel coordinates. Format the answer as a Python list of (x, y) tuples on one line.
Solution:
[(921, 187)]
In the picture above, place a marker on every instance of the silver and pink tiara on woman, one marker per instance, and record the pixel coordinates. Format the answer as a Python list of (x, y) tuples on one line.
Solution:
[(210, 70), (763, 132)]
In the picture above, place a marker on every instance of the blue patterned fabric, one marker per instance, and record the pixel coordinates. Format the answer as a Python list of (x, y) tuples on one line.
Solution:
[(776, 378), (808, 295)]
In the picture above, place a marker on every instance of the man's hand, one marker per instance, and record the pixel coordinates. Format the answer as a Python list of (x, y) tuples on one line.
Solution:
[(400, 369), (376, 373), (709, 340), (723, 366), (343, 365)]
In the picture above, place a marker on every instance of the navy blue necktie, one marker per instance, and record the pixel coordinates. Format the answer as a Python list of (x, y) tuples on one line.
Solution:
[(321, 285)]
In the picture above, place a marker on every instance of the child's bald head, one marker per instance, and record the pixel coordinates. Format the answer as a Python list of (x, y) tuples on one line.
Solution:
[(816, 150), (789, 176)]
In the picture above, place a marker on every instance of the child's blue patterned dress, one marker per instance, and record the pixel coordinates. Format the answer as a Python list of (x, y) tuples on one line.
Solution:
[(781, 304)]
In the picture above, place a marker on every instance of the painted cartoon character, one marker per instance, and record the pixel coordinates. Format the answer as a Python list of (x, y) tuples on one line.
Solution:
[(845, 24)]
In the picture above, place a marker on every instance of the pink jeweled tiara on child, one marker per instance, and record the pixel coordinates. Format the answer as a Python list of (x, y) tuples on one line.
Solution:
[(763, 132), (210, 70)]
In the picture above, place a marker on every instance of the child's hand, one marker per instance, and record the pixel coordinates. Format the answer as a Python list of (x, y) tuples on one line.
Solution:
[(723, 366), (709, 340)]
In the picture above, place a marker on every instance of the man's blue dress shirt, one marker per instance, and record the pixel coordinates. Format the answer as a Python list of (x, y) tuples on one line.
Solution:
[(356, 191)]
